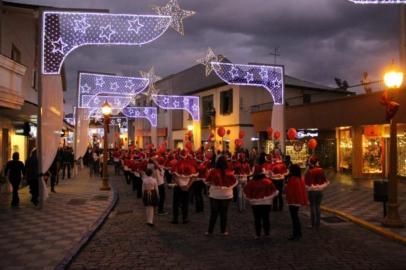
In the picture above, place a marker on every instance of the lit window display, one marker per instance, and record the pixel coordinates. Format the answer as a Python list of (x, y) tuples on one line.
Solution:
[(298, 152), (402, 156), (372, 153), (345, 149)]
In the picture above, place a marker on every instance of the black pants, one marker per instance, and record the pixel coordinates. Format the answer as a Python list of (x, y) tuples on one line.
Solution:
[(168, 176), (218, 207), (53, 181), (127, 177), (198, 188), (278, 200), (294, 214), (66, 166), (34, 190), (161, 190), (180, 200), (116, 167), (137, 184), (261, 218), (15, 183)]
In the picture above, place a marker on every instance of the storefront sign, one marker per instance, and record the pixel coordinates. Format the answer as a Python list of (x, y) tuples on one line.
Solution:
[(307, 133)]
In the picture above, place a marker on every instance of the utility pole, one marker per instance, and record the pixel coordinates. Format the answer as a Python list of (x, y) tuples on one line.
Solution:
[(275, 54)]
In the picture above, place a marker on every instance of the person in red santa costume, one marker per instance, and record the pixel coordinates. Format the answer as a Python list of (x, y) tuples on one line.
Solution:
[(278, 173), (116, 160), (204, 164), (185, 171), (295, 197), (316, 182), (242, 170), (221, 181), (260, 193)]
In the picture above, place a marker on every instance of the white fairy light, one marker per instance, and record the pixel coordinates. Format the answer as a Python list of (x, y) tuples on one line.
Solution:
[(152, 78), (177, 14), (208, 58), (170, 102), (63, 32), (270, 77), (149, 113)]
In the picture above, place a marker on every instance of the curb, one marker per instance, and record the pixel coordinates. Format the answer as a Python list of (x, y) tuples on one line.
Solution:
[(74, 252), (368, 225)]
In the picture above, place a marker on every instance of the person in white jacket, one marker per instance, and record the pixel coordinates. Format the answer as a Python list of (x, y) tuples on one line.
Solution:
[(150, 195)]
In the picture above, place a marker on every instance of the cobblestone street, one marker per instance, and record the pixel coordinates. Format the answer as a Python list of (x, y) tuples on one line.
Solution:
[(125, 242)]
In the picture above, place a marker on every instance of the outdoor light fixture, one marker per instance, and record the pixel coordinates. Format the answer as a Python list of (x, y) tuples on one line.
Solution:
[(106, 109), (190, 127), (393, 79)]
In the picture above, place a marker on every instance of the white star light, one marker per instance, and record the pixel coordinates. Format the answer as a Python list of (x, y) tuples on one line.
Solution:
[(264, 74), (165, 100), (96, 100), (137, 113), (173, 9), (117, 102), (58, 46), (249, 77), (146, 111), (276, 83), (176, 104), (85, 89), (186, 101), (195, 107), (152, 78), (106, 32), (81, 25), (153, 116), (233, 72), (114, 86), (99, 81), (210, 57), (129, 84), (135, 25)]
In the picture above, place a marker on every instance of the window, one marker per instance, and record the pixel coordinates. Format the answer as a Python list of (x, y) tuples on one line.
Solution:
[(226, 102), (207, 106), (15, 54), (34, 80), (307, 98)]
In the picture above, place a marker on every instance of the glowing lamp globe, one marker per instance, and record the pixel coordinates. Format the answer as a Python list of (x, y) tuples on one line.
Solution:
[(393, 79), (106, 109)]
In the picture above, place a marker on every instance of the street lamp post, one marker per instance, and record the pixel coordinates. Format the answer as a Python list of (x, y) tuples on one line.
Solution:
[(393, 80), (106, 110)]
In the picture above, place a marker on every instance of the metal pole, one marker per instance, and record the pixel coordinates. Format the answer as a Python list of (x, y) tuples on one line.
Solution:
[(105, 183), (393, 218)]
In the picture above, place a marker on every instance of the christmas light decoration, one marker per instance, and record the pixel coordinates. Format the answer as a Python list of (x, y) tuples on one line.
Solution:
[(93, 84), (187, 103), (269, 77), (149, 113), (96, 101), (152, 78), (173, 10), (208, 58), (63, 32), (378, 1), (114, 120)]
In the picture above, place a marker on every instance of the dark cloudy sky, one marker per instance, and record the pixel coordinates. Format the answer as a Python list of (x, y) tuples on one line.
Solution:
[(318, 39)]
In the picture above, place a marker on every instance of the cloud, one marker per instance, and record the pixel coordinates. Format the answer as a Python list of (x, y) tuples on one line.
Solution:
[(318, 39)]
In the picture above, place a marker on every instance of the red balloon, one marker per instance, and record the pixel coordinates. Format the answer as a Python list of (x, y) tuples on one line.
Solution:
[(221, 132), (312, 144), (276, 135), (269, 131), (238, 142), (241, 134), (228, 132), (292, 134)]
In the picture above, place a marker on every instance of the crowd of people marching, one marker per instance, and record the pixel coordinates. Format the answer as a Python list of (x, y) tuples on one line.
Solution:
[(262, 179)]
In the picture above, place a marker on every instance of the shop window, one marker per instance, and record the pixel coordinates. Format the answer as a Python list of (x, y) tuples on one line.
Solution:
[(345, 149), (372, 152), (402, 156), (298, 152), (226, 102)]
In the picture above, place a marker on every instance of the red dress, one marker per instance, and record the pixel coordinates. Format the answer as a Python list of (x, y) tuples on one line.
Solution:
[(260, 192), (296, 191)]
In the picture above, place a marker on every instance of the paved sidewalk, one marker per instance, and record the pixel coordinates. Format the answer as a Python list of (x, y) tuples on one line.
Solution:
[(125, 242), (32, 238), (355, 197)]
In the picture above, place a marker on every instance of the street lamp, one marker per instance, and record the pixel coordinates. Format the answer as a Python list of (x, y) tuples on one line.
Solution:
[(393, 80), (106, 110)]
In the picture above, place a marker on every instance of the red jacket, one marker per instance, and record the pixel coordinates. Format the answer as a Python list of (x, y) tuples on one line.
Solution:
[(296, 191), (216, 178), (315, 179), (260, 189)]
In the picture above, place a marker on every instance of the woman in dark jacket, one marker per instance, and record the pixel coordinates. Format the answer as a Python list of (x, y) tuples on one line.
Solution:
[(32, 176), (15, 170)]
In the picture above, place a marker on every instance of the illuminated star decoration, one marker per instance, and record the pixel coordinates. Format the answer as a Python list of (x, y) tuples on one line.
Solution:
[(173, 9), (187, 103), (149, 113), (378, 1), (152, 78), (92, 84), (270, 77), (65, 31), (97, 101), (210, 57)]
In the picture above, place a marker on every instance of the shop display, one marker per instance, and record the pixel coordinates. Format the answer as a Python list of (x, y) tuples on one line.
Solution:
[(298, 155), (345, 149), (402, 156), (372, 155)]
